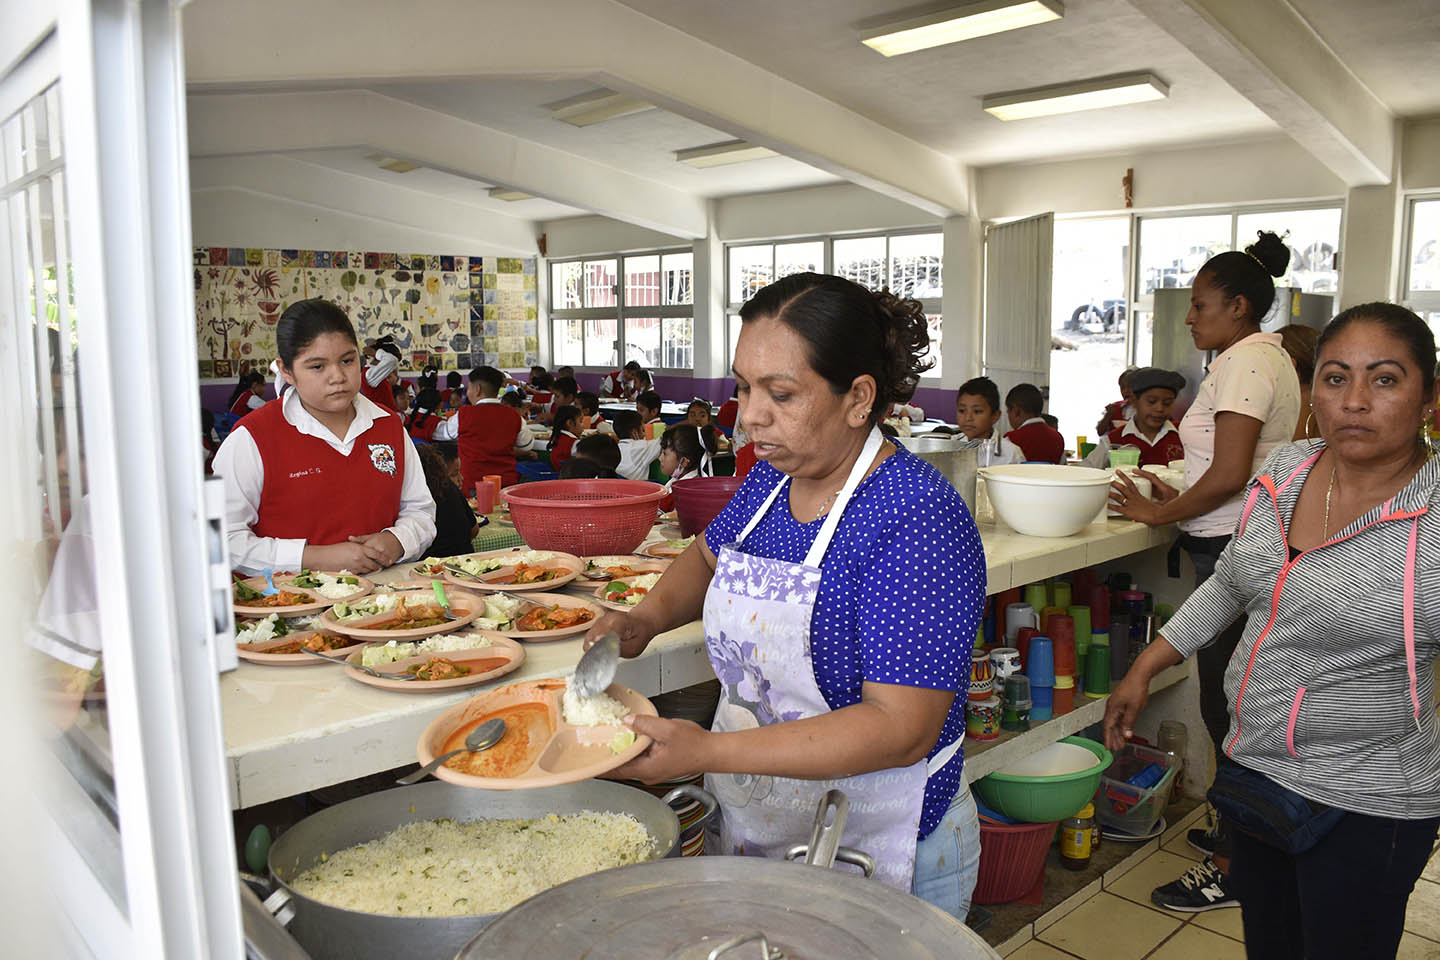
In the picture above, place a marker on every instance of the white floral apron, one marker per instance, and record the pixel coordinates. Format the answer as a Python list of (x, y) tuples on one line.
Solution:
[(757, 632)]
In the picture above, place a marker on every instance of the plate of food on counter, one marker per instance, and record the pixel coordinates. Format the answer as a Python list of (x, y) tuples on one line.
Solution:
[(446, 661), (606, 568), (667, 549), (280, 641), (515, 570), (401, 615), (537, 616), (552, 736), (626, 593), (298, 591)]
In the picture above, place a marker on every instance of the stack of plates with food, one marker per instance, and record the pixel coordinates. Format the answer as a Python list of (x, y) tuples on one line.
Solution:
[(446, 661), (281, 641), (297, 593), (552, 735)]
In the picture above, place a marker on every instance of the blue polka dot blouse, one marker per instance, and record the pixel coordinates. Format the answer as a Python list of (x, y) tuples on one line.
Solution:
[(901, 593)]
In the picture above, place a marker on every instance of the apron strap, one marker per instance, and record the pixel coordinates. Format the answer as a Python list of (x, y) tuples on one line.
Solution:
[(832, 521), (937, 763)]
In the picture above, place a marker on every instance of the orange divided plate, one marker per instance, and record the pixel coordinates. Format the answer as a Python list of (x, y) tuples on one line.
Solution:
[(486, 663)]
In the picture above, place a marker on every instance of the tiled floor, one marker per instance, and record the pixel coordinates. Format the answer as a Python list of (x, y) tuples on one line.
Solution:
[(1120, 922)]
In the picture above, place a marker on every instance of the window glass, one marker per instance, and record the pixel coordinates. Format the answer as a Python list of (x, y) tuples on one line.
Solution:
[(1425, 245), (570, 342), (601, 342), (805, 257), (1313, 237), (1087, 318), (678, 343), (915, 262), (751, 268), (1173, 249), (642, 341), (933, 325), (599, 283), (862, 259), (565, 285), (732, 326), (677, 278), (642, 281)]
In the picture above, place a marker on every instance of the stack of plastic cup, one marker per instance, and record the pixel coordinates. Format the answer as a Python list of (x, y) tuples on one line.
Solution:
[(1080, 613), (1097, 667), (1037, 596), (1022, 643), (1016, 712), (1040, 668), (1045, 616), (1064, 692), (1002, 600), (1119, 645), (1085, 581), (1062, 634), (1060, 593), (1099, 608)]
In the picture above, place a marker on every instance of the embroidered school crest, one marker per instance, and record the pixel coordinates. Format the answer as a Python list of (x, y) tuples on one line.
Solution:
[(382, 455)]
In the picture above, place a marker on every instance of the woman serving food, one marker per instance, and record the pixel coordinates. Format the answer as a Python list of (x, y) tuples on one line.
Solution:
[(840, 590)]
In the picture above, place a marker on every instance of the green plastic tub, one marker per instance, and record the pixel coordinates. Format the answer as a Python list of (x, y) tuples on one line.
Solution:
[(1032, 798)]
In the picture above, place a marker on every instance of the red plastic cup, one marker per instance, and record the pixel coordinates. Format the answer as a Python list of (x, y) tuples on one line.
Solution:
[(1022, 643), (1099, 608), (484, 498), (1061, 629), (1064, 698), (495, 481), (1003, 599)]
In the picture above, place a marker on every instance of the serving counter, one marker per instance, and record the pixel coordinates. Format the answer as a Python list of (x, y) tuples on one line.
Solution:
[(289, 730)]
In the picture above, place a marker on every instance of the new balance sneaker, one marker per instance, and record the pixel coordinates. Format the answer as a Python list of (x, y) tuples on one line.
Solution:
[(1202, 887), (1206, 841)]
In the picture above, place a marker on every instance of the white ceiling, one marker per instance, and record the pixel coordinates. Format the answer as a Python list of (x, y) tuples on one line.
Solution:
[(934, 95), (1392, 46), (642, 144)]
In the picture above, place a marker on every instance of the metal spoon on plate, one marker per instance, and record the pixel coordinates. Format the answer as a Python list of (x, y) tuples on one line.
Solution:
[(383, 675), (483, 737)]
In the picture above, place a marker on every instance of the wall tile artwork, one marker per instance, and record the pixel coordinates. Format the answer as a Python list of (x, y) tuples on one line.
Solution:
[(456, 312)]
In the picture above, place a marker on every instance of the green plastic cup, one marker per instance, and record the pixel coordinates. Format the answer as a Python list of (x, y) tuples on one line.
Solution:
[(1124, 457)]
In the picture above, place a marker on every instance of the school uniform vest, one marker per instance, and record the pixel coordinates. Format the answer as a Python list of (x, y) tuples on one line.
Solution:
[(560, 452), (1158, 454), (1039, 442), (424, 428), (241, 406), (382, 395), (487, 433), (315, 493)]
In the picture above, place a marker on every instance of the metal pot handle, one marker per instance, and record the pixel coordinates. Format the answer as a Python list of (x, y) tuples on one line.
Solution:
[(689, 791), (856, 858), (277, 899), (767, 952)]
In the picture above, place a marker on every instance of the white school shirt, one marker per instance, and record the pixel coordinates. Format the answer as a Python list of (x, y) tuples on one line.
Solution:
[(1100, 456), (238, 462), (449, 429), (636, 457), (1000, 450)]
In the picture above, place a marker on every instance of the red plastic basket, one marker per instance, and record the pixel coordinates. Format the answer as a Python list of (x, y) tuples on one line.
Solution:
[(700, 500), (584, 517), (1012, 858)]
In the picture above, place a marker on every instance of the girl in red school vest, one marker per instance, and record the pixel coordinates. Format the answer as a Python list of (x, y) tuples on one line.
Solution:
[(422, 421), (568, 426), (324, 479), (378, 382)]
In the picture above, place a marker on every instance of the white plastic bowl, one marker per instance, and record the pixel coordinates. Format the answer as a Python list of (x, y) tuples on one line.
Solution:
[(1046, 500)]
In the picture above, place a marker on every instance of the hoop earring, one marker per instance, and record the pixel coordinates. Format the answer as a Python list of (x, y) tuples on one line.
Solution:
[(1309, 420)]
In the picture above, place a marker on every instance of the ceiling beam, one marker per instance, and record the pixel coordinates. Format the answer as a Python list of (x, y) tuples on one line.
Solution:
[(277, 42), (248, 123), (1272, 56)]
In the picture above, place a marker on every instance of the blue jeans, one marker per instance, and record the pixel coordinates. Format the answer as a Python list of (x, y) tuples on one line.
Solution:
[(947, 862)]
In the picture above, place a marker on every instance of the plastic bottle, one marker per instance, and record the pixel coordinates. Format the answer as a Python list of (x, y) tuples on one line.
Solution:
[(1077, 838)]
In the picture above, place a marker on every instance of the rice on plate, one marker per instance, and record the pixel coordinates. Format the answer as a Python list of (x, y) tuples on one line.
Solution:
[(396, 650), (448, 868)]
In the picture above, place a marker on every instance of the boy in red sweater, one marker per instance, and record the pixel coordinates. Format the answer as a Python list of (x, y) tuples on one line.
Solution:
[(1039, 441)]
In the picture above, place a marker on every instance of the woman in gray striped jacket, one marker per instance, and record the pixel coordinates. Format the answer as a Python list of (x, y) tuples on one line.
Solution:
[(1332, 707)]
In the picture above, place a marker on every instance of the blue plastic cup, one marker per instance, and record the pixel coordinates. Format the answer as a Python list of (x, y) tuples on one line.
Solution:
[(1040, 665), (1042, 697), (1039, 715)]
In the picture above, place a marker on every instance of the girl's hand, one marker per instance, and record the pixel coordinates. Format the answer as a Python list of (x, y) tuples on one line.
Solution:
[(679, 750), (384, 547), (635, 634), (1162, 492), (1126, 500), (341, 556)]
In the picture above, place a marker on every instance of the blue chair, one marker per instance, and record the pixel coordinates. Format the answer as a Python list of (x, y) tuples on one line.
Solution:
[(532, 470), (224, 423)]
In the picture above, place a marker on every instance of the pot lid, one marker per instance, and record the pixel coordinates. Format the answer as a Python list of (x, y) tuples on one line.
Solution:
[(682, 909)]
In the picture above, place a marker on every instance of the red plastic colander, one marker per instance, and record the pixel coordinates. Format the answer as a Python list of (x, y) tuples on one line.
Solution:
[(583, 517), (700, 500), (1012, 858)]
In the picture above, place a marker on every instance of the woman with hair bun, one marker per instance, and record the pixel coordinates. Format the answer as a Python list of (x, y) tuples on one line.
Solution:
[(1247, 405), (325, 479), (840, 589)]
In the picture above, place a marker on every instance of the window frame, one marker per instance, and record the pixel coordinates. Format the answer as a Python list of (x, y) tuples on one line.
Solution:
[(621, 311), (1420, 301), (932, 305)]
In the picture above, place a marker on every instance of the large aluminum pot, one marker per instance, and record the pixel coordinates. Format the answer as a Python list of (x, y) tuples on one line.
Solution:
[(333, 933)]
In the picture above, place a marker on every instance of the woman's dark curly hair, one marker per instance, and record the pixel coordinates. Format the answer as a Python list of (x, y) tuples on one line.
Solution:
[(851, 332)]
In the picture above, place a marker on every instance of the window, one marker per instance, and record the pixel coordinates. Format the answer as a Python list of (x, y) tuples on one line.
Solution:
[(909, 264), (1089, 277), (1422, 259), (630, 307)]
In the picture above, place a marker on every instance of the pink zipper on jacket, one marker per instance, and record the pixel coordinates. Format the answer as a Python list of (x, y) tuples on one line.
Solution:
[(1414, 516)]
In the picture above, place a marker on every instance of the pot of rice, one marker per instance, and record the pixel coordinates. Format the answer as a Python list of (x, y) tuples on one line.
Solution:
[(417, 871)]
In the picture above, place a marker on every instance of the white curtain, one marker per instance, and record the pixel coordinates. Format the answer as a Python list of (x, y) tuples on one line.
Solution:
[(1017, 301)]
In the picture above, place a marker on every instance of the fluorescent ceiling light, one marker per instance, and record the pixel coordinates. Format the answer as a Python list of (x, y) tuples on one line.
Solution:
[(1073, 97), (954, 24), (597, 106), (508, 195), (718, 154), (392, 164)]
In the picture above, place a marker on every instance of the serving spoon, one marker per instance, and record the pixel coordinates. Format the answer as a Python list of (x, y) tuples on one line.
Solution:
[(596, 669), (483, 737)]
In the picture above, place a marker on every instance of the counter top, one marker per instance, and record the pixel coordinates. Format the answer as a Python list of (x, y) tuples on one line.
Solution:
[(293, 729)]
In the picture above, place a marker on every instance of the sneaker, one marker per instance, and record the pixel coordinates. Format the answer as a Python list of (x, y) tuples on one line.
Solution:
[(1202, 887), (1206, 841)]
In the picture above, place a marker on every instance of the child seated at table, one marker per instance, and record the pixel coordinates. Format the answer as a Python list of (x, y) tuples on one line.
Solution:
[(593, 422), (977, 415), (637, 452), (421, 421), (1153, 393), (455, 525), (1040, 442), (648, 406), (566, 432), (697, 414), (685, 452), (565, 393), (599, 450)]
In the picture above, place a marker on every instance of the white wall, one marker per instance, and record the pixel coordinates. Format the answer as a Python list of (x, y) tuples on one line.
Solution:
[(808, 211), (579, 236), (1255, 171), (1421, 153)]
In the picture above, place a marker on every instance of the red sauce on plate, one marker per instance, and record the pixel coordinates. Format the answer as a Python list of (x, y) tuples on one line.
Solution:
[(528, 730)]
